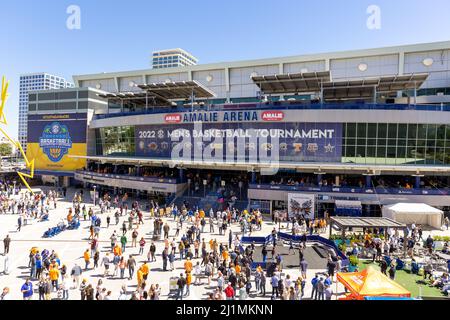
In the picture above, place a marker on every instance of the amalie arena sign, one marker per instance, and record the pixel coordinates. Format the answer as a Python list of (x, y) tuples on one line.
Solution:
[(227, 116)]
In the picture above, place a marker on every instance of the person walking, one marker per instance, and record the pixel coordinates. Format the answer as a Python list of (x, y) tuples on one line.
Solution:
[(180, 283), (134, 236), (331, 266), (131, 266), (229, 292), (123, 242), (275, 282), (151, 252), (303, 267), (82, 289), (19, 223), (165, 258), (87, 259), (328, 292), (141, 246), (106, 262), (76, 274), (321, 289), (27, 290), (122, 267), (6, 243), (65, 287), (314, 283)]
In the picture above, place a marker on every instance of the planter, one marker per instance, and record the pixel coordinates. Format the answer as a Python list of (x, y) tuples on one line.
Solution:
[(352, 268), (438, 245)]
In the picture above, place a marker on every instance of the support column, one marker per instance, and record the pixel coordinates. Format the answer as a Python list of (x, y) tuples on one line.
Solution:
[(253, 177), (181, 174), (417, 182), (138, 171), (98, 166), (115, 168), (337, 182), (319, 179), (368, 181)]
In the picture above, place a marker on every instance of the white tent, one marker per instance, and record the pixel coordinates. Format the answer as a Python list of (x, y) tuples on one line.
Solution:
[(417, 213)]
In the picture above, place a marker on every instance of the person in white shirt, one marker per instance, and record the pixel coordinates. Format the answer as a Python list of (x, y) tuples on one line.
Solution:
[(197, 273), (287, 282)]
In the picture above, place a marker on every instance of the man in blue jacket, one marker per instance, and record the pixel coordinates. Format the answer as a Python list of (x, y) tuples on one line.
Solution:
[(27, 290)]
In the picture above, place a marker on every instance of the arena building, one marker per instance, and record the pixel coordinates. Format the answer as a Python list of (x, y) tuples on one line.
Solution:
[(351, 131)]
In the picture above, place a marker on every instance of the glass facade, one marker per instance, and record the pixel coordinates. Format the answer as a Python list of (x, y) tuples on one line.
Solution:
[(381, 143), (115, 141)]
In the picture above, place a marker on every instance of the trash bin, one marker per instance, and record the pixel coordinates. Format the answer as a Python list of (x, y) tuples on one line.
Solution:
[(173, 286)]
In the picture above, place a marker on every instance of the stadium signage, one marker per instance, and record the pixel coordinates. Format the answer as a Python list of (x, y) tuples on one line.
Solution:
[(226, 116), (272, 116), (173, 118)]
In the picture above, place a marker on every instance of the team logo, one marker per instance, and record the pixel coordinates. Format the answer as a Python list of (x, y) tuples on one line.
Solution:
[(164, 145), (313, 147), (272, 116), (298, 147), (329, 148), (172, 118), (55, 141)]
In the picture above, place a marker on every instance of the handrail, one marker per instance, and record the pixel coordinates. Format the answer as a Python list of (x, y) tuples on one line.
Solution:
[(128, 177), (374, 191)]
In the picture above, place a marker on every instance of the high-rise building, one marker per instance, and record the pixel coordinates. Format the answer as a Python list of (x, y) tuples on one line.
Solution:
[(32, 82), (173, 58)]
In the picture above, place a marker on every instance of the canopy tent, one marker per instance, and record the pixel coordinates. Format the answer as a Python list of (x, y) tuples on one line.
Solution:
[(417, 213), (348, 208), (370, 283)]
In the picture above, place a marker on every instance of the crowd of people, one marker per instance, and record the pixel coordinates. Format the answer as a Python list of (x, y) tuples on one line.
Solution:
[(208, 246)]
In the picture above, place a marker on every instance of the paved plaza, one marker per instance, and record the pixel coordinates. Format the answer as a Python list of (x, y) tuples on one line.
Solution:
[(71, 244)]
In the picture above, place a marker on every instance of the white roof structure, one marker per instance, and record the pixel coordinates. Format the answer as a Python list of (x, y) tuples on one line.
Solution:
[(413, 208), (417, 213)]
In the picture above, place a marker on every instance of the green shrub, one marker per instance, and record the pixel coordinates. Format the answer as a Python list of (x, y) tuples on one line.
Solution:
[(354, 261)]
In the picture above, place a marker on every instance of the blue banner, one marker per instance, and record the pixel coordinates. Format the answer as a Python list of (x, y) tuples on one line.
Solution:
[(300, 142)]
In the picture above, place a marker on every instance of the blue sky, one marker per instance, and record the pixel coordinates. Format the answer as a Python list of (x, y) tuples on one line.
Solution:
[(120, 35)]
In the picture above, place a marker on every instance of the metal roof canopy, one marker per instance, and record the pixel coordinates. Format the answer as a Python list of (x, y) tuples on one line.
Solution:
[(337, 90), (178, 90), (292, 83), (366, 222), (369, 87), (141, 98)]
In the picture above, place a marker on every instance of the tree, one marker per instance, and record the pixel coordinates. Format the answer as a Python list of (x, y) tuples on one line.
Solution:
[(5, 150)]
